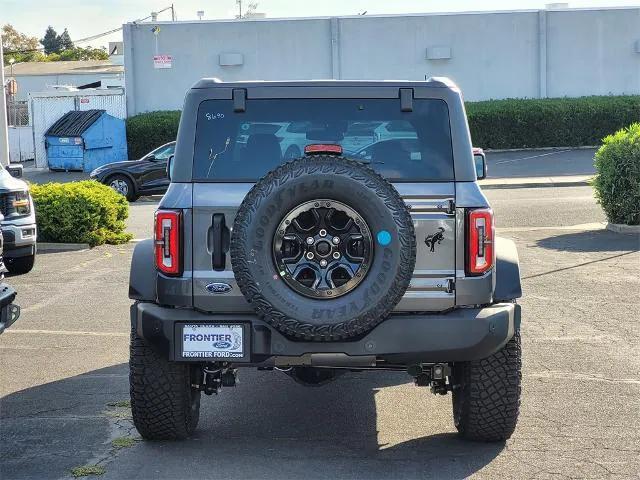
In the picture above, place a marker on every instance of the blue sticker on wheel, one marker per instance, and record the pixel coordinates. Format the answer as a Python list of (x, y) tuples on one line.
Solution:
[(384, 238)]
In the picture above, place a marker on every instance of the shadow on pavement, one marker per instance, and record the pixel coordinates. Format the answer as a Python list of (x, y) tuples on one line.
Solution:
[(266, 427), (591, 241)]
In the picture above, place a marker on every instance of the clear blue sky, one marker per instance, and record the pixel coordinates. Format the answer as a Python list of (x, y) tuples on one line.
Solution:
[(84, 18)]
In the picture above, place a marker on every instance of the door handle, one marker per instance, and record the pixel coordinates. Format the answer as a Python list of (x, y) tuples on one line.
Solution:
[(220, 242)]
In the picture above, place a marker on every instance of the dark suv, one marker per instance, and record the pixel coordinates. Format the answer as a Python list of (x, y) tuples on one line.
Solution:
[(326, 263)]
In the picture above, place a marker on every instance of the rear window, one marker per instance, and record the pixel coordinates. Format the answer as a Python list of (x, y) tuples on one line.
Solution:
[(401, 146)]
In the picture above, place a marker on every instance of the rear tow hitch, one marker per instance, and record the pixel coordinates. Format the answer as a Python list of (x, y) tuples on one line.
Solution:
[(216, 378), (433, 375)]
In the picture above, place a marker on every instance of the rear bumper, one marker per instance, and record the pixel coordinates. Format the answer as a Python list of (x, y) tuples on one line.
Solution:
[(460, 335), (9, 312)]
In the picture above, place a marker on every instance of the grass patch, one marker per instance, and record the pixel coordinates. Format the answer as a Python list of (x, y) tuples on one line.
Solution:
[(86, 470), (118, 413), (123, 442), (121, 403)]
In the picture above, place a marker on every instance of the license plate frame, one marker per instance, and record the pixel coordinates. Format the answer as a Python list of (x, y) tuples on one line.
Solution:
[(202, 348)]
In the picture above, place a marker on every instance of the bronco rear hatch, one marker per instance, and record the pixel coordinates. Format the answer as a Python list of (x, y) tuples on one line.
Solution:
[(408, 143)]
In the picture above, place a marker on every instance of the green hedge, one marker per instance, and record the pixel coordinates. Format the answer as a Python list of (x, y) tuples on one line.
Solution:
[(552, 122), (80, 212), (150, 130), (617, 183), (515, 123)]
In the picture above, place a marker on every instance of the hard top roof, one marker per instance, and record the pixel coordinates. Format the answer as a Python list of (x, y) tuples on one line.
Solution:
[(432, 82)]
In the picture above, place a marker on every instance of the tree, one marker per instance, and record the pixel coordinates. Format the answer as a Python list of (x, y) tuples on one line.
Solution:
[(79, 53), (14, 41), (51, 41), (64, 41)]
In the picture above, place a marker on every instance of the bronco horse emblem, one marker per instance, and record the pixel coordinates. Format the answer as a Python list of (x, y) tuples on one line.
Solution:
[(435, 238)]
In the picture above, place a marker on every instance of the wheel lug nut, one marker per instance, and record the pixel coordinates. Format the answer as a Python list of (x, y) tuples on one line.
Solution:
[(336, 240), (323, 233), (336, 255), (323, 263), (309, 255), (309, 240)]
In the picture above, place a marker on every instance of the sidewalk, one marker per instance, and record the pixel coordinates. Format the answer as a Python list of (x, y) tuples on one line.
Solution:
[(44, 175), (533, 182)]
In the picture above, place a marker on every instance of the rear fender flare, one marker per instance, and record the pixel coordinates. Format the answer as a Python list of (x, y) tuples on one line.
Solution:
[(142, 276), (507, 273)]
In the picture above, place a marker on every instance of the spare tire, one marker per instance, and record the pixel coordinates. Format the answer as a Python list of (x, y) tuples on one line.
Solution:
[(323, 248)]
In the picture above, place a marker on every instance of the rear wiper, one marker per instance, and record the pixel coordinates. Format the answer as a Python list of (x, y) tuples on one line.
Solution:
[(364, 160)]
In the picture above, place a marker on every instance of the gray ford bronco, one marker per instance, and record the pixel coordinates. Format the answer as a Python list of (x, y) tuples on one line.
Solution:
[(370, 247)]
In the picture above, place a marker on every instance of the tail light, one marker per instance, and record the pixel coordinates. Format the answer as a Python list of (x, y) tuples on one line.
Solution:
[(480, 241), (167, 240)]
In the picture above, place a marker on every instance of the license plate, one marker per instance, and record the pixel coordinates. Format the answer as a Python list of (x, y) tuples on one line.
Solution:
[(213, 341)]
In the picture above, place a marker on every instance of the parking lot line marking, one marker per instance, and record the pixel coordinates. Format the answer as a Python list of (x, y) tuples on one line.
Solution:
[(581, 226), (581, 376), (67, 332), (532, 156)]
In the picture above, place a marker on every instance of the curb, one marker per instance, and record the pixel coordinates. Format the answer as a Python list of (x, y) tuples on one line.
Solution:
[(503, 150), (622, 228), (61, 247)]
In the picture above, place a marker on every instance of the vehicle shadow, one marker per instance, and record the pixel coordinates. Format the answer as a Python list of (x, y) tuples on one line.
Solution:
[(363, 425), (591, 241)]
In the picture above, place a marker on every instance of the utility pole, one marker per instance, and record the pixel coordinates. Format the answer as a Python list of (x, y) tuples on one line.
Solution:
[(4, 128), (173, 13), (239, 2)]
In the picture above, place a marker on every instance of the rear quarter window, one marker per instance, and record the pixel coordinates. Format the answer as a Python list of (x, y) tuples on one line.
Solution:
[(401, 146)]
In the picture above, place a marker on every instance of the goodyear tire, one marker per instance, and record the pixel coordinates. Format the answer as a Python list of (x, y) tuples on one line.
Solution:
[(367, 269), (486, 394)]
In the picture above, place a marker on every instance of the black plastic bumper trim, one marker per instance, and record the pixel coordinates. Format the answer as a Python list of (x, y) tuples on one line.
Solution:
[(460, 335)]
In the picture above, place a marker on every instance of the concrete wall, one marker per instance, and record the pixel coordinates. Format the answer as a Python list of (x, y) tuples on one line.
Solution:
[(527, 53)]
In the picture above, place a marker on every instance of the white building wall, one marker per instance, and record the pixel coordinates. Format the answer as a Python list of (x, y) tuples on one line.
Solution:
[(593, 52), (490, 55)]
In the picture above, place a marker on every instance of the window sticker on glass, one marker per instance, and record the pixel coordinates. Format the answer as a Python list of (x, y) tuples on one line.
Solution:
[(214, 116)]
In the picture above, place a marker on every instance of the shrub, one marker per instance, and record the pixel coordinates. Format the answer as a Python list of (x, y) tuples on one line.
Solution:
[(150, 130), (617, 183), (549, 122), (80, 212)]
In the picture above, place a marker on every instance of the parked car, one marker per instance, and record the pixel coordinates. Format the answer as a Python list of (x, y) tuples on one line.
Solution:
[(327, 263), (19, 224), (9, 312), (134, 178)]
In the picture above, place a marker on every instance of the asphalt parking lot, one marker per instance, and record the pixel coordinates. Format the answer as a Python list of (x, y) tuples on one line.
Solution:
[(64, 376)]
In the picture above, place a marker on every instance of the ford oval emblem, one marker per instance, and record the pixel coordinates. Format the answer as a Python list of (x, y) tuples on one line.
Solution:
[(222, 345), (219, 287)]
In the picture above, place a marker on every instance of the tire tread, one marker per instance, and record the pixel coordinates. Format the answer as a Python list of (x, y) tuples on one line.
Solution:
[(161, 396)]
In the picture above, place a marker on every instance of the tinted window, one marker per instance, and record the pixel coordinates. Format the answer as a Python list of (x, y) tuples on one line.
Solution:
[(401, 146), (163, 153)]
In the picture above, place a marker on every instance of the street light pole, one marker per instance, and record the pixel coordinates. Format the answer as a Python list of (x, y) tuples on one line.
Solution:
[(4, 129)]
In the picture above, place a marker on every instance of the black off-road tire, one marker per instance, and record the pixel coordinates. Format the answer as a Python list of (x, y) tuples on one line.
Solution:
[(337, 179), (163, 404), (486, 395)]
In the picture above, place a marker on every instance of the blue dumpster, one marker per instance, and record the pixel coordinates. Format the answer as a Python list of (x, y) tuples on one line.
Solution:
[(83, 141)]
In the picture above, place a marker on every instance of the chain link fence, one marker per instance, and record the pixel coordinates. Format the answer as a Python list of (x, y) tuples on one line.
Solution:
[(18, 113)]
